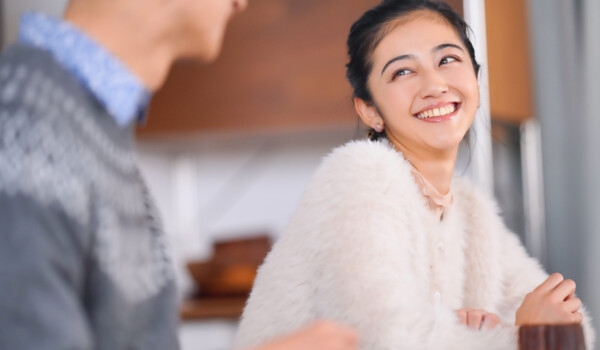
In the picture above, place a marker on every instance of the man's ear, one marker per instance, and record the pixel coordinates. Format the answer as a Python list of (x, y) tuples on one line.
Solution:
[(369, 114)]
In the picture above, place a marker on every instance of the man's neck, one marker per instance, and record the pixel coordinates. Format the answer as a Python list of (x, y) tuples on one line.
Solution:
[(141, 46)]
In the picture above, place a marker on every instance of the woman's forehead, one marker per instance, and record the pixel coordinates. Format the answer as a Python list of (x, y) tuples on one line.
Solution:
[(417, 31), (424, 14)]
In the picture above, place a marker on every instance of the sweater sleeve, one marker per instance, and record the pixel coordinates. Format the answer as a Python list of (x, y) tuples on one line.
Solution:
[(522, 274), (41, 269)]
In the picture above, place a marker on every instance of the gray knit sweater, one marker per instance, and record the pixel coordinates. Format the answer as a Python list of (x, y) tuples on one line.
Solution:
[(83, 261)]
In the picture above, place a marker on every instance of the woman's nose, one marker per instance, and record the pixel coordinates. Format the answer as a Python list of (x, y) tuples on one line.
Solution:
[(433, 85)]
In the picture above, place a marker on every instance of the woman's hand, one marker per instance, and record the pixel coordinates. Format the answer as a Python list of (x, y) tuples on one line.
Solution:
[(318, 336), (477, 319), (552, 302)]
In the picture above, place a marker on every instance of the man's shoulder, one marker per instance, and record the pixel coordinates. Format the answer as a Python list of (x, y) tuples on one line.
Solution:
[(36, 110), (19, 61), (27, 57), (39, 147), (31, 78), (38, 164)]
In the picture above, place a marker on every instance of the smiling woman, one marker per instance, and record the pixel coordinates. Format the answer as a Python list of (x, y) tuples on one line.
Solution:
[(385, 240), (422, 87)]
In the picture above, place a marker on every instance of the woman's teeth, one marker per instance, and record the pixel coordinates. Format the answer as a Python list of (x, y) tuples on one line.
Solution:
[(437, 112)]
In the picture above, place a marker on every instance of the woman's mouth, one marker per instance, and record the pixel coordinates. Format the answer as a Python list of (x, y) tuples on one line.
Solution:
[(439, 114)]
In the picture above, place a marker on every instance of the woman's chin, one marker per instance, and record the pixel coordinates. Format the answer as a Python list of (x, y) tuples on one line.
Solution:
[(445, 145), (448, 140)]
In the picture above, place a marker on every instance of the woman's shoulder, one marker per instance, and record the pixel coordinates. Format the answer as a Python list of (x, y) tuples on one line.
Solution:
[(364, 151), (478, 208), (364, 164), (472, 196)]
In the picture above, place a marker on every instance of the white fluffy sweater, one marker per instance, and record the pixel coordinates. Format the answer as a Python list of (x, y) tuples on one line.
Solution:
[(364, 249)]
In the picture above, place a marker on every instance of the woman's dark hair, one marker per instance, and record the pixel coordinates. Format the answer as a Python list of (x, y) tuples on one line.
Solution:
[(371, 28)]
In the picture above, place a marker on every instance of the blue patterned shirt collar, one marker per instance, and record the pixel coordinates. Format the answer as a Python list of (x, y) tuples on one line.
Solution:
[(121, 92)]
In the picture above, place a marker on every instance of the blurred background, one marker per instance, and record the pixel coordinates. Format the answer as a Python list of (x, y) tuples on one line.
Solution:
[(228, 148)]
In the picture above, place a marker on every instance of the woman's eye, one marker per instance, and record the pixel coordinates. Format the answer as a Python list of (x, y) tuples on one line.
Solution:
[(448, 59), (401, 72)]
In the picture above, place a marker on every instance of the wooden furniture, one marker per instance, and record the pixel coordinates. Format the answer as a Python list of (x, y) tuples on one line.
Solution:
[(211, 308), (556, 337), (282, 67), (224, 281)]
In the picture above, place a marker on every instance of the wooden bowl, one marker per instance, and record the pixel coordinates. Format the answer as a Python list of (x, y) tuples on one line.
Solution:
[(232, 268)]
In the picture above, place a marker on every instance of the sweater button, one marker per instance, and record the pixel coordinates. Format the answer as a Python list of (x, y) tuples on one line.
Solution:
[(437, 296), (440, 246)]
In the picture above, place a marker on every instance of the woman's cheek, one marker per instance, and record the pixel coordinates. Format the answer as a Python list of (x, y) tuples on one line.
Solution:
[(467, 81), (399, 99)]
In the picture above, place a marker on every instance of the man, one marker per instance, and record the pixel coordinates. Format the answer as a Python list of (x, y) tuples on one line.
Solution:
[(83, 263)]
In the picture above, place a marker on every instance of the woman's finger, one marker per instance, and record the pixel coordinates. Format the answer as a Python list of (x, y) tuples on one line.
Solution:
[(573, 305), (490, 321), (577, 317), (474, 319), (570, 296), (551, 282), (462, 316), (564, 289)]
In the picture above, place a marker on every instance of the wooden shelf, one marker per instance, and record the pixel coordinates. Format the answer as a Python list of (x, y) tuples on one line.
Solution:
[(282, 67), (211, 308)]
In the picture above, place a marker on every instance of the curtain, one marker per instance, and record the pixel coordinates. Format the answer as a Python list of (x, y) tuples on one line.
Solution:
[(566, 53)]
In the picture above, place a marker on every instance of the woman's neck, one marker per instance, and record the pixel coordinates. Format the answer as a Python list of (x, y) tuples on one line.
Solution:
[(436, 167)]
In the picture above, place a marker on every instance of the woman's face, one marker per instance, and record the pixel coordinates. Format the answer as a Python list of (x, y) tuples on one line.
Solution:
[(423, 86)]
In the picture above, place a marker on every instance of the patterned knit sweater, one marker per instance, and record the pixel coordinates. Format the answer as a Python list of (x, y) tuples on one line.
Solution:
[(83, 260)]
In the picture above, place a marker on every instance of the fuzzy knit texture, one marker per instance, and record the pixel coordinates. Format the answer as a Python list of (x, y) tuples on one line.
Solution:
[(364, 249)]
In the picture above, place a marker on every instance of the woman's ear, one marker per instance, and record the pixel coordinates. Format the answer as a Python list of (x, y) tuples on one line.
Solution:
[(369, 114)]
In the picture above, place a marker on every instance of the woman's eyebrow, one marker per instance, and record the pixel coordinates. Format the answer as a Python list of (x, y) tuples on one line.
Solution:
[(403, 57), (443, 46), (411, 56)]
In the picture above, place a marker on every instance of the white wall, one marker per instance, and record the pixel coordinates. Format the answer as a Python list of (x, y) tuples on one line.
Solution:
[(12, 10), (207, 335), (480, 168), (222, 187), (218, 187)]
